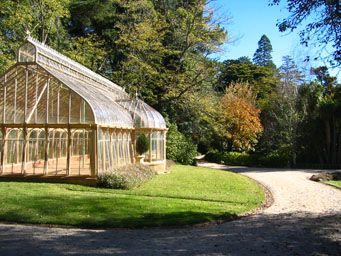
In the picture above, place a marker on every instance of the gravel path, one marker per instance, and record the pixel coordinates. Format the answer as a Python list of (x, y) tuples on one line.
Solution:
[(305, 219)]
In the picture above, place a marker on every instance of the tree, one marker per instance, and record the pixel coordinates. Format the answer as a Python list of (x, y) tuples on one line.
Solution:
[(159, 48), (240, 117), (323, 23), (263, 80), (179, 148), (280, 120), (262, 56), (89, 51), (44, 19), (142, 144), (289, 73), (280, 117), (320, 115)]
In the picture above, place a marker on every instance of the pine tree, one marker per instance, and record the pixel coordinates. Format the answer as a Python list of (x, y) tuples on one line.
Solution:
[(289, 72), (262, 56)]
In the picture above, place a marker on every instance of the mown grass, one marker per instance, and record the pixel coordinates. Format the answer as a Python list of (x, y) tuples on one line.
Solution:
[(336, 183), (187, 195)]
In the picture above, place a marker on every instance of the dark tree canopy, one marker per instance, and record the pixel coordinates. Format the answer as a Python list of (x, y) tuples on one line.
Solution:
[(262, 79), (323, 27), (262, 56)]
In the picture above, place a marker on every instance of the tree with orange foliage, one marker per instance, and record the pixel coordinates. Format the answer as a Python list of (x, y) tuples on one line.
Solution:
[(239, 117)]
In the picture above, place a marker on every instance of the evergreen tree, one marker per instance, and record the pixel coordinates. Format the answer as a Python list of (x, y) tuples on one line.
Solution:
[(289, 73), (262, 56), (262, 79)]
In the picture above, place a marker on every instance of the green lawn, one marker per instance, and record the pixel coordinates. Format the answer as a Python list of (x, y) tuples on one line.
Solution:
[(187, 195), (336, 183)]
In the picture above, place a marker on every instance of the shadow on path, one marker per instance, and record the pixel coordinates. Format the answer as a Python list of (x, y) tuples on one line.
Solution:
[(243, 169), (283, 234)]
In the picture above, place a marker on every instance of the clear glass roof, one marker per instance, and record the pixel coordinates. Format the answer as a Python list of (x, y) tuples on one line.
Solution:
[(111, 105), (106, 111), (144, 116)]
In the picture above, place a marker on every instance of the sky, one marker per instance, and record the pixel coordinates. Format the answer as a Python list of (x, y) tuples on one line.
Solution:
[(248, 21)]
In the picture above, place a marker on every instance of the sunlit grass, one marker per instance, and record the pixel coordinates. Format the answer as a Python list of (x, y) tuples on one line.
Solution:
[(336, 183), (187, 195)]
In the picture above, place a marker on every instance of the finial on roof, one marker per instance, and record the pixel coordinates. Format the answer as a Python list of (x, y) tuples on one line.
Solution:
[(28, 34)]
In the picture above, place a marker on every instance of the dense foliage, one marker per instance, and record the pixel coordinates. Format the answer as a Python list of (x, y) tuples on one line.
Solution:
[(126, 177), (246, 159), (179, 148), (240, 117), (163, 49)]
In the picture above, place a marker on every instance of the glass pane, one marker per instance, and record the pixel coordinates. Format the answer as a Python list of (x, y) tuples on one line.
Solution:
[(1, 103), (9, 103), (42, 108), (36, 91), (75, 108), (57, 151), (53, 101), (27, 53), (114, 148), (107, 151), (64, 105), (1, 144), (14, 146), (80, 158), (36, 151)]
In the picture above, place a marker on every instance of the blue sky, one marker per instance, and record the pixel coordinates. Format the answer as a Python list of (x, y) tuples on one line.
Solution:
[(250, 19)]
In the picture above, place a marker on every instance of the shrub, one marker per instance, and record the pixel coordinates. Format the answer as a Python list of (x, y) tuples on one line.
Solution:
[(236, 158), (214, 156), (179, 148), (125, 177), (142, 144), (274, 159)]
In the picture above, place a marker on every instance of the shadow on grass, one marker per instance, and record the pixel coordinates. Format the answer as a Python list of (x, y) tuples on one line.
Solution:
[(175, 219), (282, 234), (114, 211), (78, 180)]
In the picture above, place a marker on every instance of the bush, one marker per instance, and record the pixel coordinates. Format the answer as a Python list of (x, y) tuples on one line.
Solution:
[(274, 160), (179, 148), (236, 158), (142, 144), (125, 177), (245, 159), (214, 156)]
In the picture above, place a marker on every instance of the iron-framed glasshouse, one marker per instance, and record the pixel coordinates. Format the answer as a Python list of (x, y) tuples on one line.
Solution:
[(57, 117)]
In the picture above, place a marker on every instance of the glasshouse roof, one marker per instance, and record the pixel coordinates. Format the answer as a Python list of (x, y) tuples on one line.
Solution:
[(110, 104)]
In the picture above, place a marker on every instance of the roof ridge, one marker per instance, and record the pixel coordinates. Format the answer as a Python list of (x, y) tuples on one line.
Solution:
[(70, 63)]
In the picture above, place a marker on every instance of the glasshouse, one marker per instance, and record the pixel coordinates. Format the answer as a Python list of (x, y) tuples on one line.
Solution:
[(57, 117)]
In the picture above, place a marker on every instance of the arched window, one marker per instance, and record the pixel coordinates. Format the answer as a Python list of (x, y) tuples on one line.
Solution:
[(14, 146), (80, 160), (36, 150), (27, 53)]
